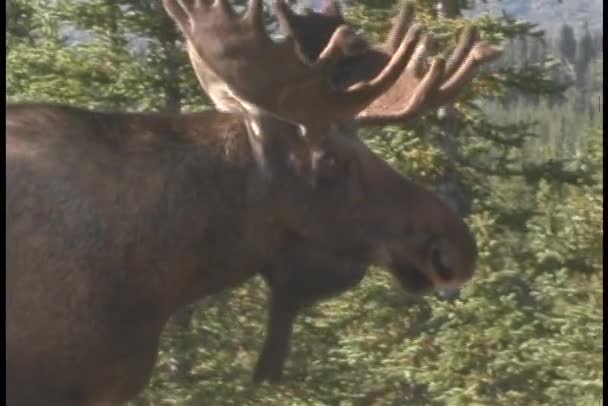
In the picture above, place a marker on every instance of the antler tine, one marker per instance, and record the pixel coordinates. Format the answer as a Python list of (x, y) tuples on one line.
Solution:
[(416, 64), (182, 10), (419, 98), (356, 97), (336, 46), (400, 25), (425, 90), (330, 39), (366, 91), (481, 53), (469, 37), (176, 9), (254, 15), (413, 95), (299, 79), (283, 13), (353, 99), (224, 6)]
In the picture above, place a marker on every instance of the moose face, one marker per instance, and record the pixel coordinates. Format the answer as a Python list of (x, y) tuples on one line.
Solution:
[(343, 200)]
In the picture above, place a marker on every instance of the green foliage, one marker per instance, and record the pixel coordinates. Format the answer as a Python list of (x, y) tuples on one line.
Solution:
[(567, 43), (528, 328), (124, 55), (19, 25)]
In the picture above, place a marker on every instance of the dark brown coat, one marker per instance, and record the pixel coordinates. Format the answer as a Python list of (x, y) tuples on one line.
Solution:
[(116, 220)]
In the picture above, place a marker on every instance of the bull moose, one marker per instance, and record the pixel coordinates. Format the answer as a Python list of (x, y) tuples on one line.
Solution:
[(115, 220)]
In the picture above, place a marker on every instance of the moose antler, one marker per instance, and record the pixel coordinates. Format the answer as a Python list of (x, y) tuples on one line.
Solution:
[(414, 93), (289, 78), (322, 71)]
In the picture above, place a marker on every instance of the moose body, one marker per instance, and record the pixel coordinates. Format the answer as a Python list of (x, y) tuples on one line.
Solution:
[(116, 220), (107, 216)]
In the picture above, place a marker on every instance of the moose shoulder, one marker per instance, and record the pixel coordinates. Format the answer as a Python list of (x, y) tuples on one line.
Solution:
[(116, 220), (107, 216)]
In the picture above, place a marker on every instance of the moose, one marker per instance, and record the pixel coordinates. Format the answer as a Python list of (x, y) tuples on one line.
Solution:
[(116, 220)]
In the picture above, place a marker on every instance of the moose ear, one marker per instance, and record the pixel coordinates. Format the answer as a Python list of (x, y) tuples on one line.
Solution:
[(286, 143)]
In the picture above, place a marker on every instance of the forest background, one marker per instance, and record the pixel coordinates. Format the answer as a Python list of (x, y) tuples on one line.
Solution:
[(520, 156)]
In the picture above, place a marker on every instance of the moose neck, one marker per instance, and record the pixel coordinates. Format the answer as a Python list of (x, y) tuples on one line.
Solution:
[(251, 190)]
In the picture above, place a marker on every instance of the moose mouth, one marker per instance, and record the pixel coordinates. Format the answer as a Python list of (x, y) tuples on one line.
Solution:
[(412, 278), (415, 281)]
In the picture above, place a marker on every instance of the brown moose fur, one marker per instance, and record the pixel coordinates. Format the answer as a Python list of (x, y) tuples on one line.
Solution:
[(116, 220)]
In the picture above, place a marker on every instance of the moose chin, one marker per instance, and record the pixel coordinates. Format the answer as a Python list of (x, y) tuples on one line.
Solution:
[(114, 221)]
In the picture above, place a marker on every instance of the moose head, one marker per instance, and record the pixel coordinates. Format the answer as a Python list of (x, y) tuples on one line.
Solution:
[(303, 98)]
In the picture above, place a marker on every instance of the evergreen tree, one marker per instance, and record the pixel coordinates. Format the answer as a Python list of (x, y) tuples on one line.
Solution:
[(567, 43), (584, 54), (128, 53), (19, 22)]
